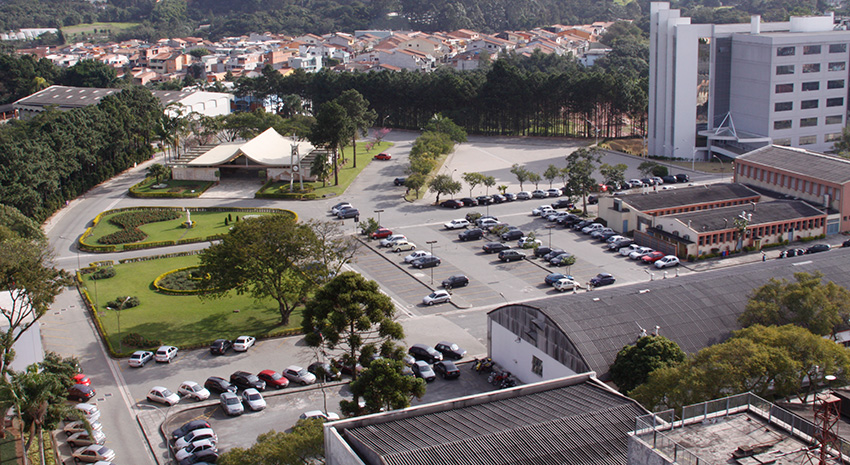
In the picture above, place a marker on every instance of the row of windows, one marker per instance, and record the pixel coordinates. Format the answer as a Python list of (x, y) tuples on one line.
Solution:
[(807, 105), (782, 70), (788, 181), (809, 86), (810, 50), (807, 122), (808, 140), (762, 231), (674, 211)]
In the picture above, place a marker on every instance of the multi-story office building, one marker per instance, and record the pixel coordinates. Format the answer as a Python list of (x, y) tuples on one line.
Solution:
[(723, 90)]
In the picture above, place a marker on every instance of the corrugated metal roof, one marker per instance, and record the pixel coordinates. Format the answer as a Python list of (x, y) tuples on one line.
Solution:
[(681, 197), (719, 219), (577, 424), (829, 168)]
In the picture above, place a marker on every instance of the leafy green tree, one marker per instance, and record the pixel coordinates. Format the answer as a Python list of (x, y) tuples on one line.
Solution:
[(552, 172), (90, 73), (580, 165), (421, 165), (635, 362), (13, 224), (473, 179), (535, 179), (613, 174), (383, 387), (432, 144), (441, 124), (368, 226), (304, 445), (320, 168), (415, 182), (158, 171), (359, 116), (333, 130), (842, 145), (489, 181), (522, 174), (660, 171), (443, 184), (645, 168), (352, 315), (820, 307)]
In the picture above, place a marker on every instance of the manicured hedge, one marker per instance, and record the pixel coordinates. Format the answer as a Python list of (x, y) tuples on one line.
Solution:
[(135, 219)]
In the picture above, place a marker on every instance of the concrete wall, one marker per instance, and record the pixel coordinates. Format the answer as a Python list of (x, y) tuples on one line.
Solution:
[(640, 453), (337, 451), (516, 356), (183, 173)]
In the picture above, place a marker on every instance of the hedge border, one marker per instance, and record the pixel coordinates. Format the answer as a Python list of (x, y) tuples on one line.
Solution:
[(169, 291), (284, 195), (98, 248), (133, 192)]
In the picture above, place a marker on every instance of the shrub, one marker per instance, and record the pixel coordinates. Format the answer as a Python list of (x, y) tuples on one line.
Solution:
[(119, 301), (183, 280), (134, 219), (123, 236), (103, 273), (139, 341)]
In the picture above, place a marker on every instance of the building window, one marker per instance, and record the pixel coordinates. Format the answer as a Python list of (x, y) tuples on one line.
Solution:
[(536, 366), (808, 104), (784, 124), (835, 84), (784, 69), (835, 102), (808, 122), (811, 50), (812, 68), (784, 106), (808, 140), (836, 119), (836, 66), (837, 48), (832, 137), (785, 141), (811, 85), (786, 51), (784, 88)]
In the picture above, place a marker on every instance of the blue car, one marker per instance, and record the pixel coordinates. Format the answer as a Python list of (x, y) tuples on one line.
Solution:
[(554, 277)]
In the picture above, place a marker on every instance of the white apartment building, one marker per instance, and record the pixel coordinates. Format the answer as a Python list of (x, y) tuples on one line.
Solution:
[(724, 90)]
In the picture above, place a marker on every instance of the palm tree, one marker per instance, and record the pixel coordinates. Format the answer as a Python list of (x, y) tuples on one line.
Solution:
[(158, 172)]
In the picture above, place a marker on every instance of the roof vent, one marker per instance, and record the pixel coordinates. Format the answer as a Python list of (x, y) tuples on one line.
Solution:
[(643, 291)]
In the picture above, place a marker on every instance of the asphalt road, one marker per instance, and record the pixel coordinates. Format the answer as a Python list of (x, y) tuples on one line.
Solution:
[(121, 391)]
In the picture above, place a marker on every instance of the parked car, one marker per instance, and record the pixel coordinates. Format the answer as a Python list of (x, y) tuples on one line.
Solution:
[(469, 202), (447, 370), (602, 279), (196, 435), (669, 179), (381, 233), (216, 384), (539, 194), (541, 251), (245, 380), (640, 252), (273, 379), (620, 243), (83, 438), (399, 181), (628, 249), (193, 390), (422, 370), (243, 343), (488, 223), (817, 248), (484, 199), (510, 197), (457, 224), (451, 203), (493, 247), (383, 156), (524, 195), (528, 242), (477, 218), (552, 254), (188, 427), (614, 238), (578, 226), (426, 262), (416, 255), (565, 284), (563, 203), (93, 453), (163, 395), (592, 227), (633, 183), (667, 261), (348, 213), (80, 392), (140, 358), (296, 374), (542, 210), (657, 180), (253, 399), (89, 411), (403, 245), (553, 192), (437, 297), (511, 255), (220, 346), (165, 354), (336, 208), (471, 234), (458, 280), (592, 200), (76, 426), (450, 350), (329, 416), (561, 260), (390, 240), (552, 278), (682, 177), (499, 198), (512, 235), (425, 352), (200, 457), (231, 404), (597, 234), (652, 257), (324, 371)]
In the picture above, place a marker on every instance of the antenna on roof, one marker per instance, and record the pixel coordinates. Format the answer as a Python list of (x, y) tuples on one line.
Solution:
[(642, 331)]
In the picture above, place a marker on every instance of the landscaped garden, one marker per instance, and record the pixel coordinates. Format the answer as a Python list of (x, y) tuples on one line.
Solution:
[(150, 187), (181, 320)]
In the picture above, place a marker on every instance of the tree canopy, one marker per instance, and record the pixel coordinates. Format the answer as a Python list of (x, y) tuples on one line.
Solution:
[(635, 362), (383, 386), (580, 166), (305, 444)]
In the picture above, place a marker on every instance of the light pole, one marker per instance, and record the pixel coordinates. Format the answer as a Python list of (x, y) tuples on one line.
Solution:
[(118, 312), (379, 216), (722, 173), (550, 227), (431, 243)]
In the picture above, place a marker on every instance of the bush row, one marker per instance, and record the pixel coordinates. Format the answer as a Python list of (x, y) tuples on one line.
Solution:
[(140, 342), (124, 236), (103, 273), (124, 302), (157, 257), (134, 219), (137, 193), (168, 282)]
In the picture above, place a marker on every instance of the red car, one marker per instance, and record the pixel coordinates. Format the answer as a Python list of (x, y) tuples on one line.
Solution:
[(383, 156), (80, 378), (381, 233), (273, 379), (652, 257)]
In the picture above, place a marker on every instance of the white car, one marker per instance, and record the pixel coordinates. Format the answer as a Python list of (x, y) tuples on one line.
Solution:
[(487, 223), (197, 446), (524, 195), (528, 242), (165, 354), (543, 210), (336, 208), (163, 396), (640, 252), (196, 435), (626, 251), (457, 224), (300, 375), (390, 240), (243, 343), (231, 404), (140, 358), (667, 261), (330, 416), (89, 411), (415, 255), (635, 183), (565, 284), (193, 390), (398, 246), (437, 297), (253, 399), (591, 228), (614, 238)]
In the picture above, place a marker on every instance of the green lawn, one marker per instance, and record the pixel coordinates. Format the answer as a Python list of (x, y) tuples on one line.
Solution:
[(183, 321), (206, 224), (174, 186), (93, 29)]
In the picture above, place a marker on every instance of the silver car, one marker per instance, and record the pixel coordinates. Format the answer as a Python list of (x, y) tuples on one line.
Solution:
[(253, 399), (231, 404), (299, 375)]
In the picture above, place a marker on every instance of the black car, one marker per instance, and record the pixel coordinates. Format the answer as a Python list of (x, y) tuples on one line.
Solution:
[(493, 247), (471, 234), (484, 199), (569, 220), (512, 235), (80, 392), (457, 280), (469, 202), (447, 369), (509, 197), (552, 254), (669, 179), (452, 203), (581, 224), (846, 243), (563, 203), (541, 251), (592, 199), (619, 244), (324, 371), (604, 236), (648, 182), (552, 278), (220, 346), (188, 428), (426, 262), (245, 380), (202, 456), (425, 352), (682, 177), (510, 255), (450, 350), (817, 248), (218, 385), (399, 181), (602, 279), (499, 198)]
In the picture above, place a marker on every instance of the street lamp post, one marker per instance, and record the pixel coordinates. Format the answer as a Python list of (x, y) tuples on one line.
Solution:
[(118, 312), (550, 227), (379, 216), (431, 243), (722, 172)]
